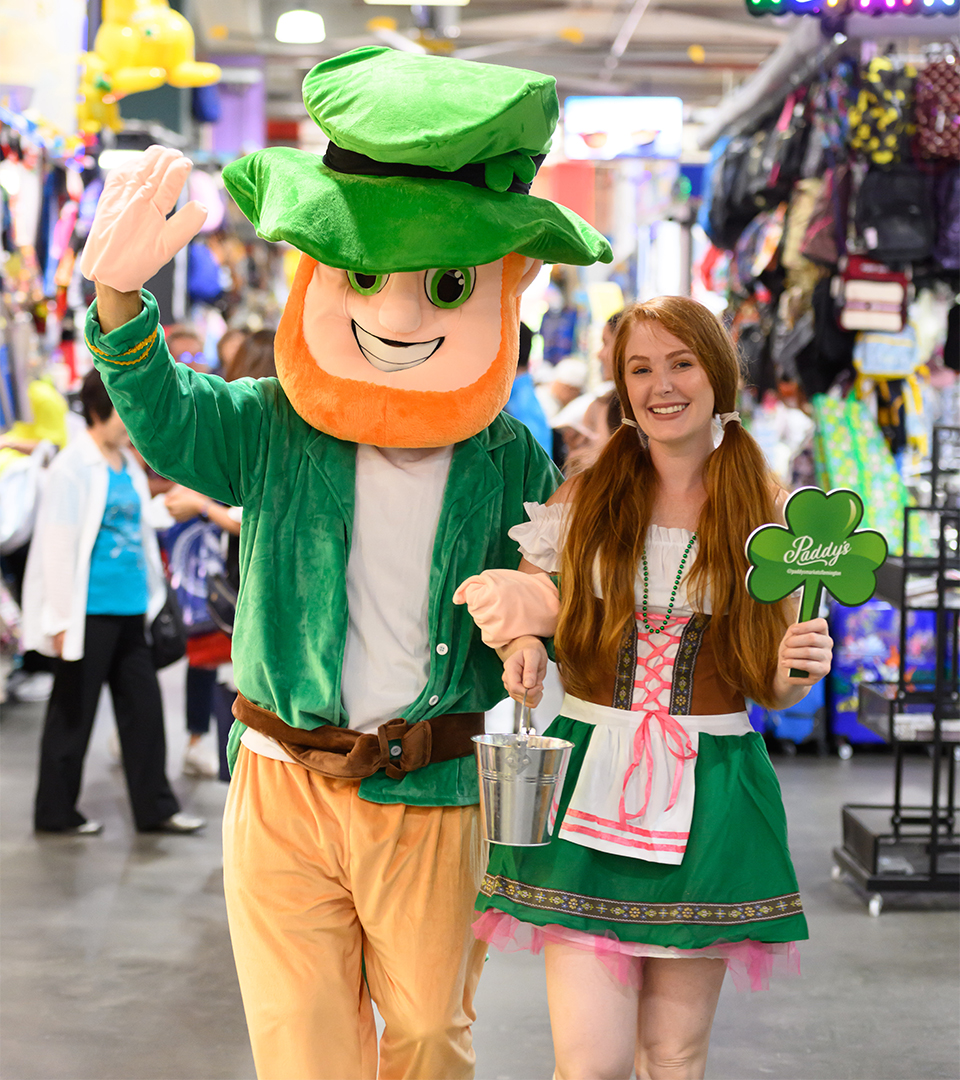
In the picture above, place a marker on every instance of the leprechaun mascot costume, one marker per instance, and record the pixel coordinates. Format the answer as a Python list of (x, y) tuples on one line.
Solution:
[(375, 475)]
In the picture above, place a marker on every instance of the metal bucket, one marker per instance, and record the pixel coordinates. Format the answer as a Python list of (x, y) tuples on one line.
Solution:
[(521, 777)]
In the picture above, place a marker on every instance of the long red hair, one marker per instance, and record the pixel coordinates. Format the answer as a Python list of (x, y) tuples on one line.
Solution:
[(611, 513)]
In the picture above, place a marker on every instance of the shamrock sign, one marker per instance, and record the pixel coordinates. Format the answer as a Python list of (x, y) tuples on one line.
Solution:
[(817, 549)]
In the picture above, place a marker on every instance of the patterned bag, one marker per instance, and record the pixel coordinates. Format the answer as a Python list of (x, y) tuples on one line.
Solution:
[(881, 120), (937, 110), (890, 364), (850, 452), (193, 554)]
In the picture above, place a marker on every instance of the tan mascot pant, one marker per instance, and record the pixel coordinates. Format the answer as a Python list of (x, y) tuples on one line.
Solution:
[(317, 880)]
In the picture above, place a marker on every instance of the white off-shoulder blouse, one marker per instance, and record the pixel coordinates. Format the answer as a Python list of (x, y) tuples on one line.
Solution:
[(541, 541)]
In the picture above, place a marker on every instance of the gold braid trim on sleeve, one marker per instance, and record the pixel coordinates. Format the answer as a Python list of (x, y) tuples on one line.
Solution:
[(142, 348)]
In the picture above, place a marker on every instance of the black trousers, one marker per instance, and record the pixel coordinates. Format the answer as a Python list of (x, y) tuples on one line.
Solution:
[(115, 652)]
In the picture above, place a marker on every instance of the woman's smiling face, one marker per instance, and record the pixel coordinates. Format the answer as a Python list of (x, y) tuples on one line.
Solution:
[(668, 387)]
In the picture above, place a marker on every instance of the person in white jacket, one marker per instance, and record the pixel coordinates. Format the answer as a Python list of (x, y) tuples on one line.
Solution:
[(93, 583)]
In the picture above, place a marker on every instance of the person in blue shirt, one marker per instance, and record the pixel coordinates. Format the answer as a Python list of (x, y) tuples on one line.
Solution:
[(524, 404), (93, 583)]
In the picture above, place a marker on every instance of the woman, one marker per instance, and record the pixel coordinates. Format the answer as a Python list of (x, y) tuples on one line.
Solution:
[(253, 358), (93, 582), (669, 859)]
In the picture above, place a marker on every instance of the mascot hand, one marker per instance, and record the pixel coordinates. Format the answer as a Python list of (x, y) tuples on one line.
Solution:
[(131, 238), (507, 604)]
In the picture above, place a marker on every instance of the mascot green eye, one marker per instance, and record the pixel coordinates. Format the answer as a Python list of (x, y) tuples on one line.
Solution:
[(366, 284), (450, 288)]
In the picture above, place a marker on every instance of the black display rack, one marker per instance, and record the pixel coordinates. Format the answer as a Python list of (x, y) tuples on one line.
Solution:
[(899, 848)]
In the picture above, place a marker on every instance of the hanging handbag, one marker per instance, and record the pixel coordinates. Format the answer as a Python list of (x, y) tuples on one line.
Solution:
[(168, 636), (726, 218), (825, 238), (937, 110), (870, 296), (894, 215), (784, 150), (881, 120)]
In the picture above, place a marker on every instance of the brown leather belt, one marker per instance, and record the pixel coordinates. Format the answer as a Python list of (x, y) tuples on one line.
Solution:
[(396, 747)]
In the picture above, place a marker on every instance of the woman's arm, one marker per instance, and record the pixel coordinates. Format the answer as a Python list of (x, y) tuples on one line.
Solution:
[(524, 668), (525, 658), (184, 504)]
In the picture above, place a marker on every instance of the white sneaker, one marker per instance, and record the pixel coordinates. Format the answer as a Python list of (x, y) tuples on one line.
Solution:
[(181, 823), (198, 762), (37, 686)]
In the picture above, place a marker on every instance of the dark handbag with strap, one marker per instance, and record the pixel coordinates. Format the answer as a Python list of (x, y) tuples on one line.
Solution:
[(168, 635), (396, 746), (222, 602), (223, 588)]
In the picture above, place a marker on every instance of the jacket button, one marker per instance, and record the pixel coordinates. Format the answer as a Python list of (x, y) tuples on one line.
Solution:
[(442, 649), (433, 700), (395, 751)]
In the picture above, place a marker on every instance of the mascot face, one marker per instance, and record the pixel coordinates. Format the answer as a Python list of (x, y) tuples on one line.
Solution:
[(416, 359)]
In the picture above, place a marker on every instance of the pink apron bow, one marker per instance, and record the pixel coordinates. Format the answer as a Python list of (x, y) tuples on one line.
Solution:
[(677, 742)]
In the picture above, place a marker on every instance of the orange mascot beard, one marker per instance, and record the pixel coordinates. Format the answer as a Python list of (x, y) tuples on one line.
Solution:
[(378, 415)]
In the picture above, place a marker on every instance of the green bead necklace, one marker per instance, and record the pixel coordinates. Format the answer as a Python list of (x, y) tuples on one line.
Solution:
[(673, 595)]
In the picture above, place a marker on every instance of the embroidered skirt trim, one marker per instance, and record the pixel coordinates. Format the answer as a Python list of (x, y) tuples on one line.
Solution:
[(639, 914)]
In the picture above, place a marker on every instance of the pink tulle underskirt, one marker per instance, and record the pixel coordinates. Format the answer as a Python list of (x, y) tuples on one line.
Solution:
[(751, 963)]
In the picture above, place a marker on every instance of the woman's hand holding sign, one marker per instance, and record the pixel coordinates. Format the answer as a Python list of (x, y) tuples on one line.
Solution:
[(804, 657)]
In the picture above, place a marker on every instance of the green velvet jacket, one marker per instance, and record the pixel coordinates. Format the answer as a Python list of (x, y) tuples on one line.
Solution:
[(242, 444)]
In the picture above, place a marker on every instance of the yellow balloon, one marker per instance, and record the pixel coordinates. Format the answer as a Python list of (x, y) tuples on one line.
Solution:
[(144, 44)]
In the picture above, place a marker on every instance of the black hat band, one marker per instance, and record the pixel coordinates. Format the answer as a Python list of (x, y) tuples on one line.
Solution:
[(350, 162)]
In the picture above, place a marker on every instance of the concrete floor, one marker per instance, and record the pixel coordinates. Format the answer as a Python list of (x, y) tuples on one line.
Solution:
[(116, 963)]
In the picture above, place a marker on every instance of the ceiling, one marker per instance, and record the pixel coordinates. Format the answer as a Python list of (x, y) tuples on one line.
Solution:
[(694, 49)]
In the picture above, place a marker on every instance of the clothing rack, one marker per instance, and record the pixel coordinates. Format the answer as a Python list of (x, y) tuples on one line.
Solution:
[(899, 848)]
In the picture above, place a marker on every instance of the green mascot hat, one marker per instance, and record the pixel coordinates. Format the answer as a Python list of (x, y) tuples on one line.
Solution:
[(429, 164)]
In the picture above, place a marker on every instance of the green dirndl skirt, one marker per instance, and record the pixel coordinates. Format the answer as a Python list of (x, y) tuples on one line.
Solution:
[(736, 882)]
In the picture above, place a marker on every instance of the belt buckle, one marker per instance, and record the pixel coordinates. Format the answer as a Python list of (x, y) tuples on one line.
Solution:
[(404, 747)]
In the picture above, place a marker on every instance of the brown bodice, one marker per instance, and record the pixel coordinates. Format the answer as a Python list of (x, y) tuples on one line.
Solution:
[(698, 687)]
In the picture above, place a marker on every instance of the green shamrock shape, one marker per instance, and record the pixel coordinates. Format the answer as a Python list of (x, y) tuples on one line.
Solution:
[(499, 171), (817, 549)]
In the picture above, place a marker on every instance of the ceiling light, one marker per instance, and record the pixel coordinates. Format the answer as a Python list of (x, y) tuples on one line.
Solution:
[(300, 27), (111, 159)]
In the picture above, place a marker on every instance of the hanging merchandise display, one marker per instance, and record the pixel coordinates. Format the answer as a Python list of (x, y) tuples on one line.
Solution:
[(41, 187), (868, 218), (839, 294)]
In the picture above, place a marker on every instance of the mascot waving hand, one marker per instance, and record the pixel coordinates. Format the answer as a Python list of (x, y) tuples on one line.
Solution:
[(376, 474)]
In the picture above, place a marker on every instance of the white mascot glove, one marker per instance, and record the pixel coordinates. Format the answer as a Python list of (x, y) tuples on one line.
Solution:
[(131, 238)]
